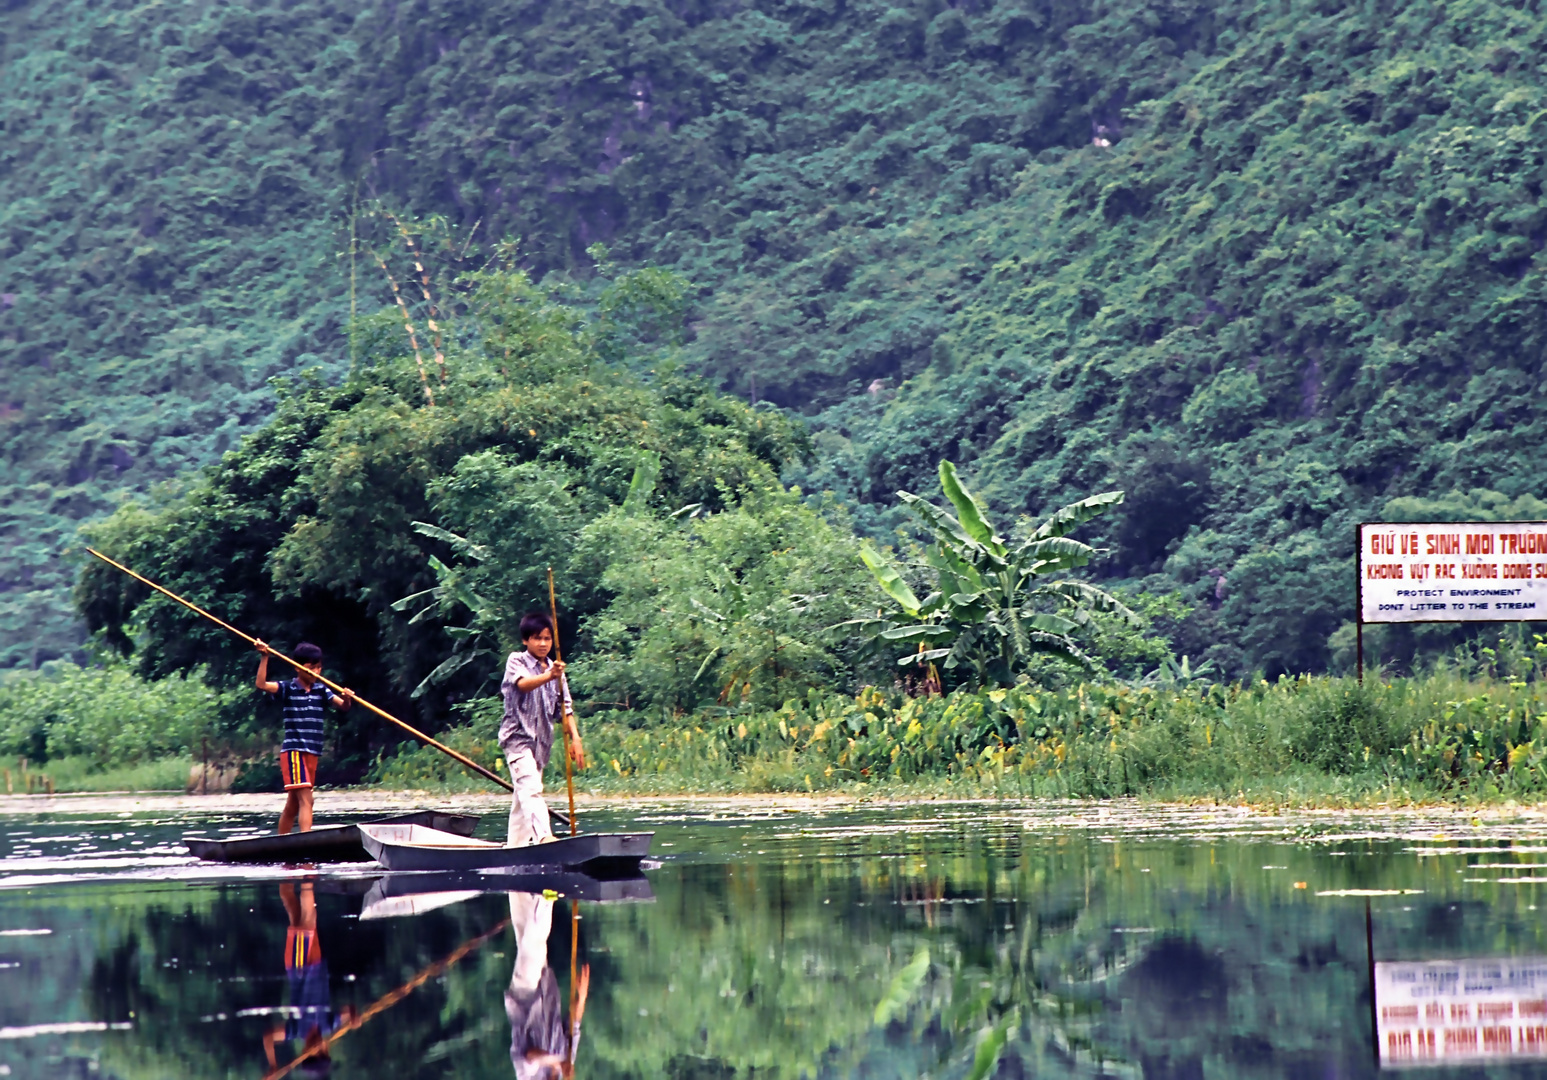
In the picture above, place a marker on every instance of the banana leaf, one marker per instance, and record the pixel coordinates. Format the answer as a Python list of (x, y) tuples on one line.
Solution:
[(919, 632), (1081, 593), (460, 544), (968, 511), (1076, 514), (992, 1046), (891, 582), (957, 575), (447, 668), (642, 485), (944, 525), (902, 987)]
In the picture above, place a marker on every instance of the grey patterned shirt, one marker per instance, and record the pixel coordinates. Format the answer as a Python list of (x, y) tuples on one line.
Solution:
[(529, 716), (537, 1023)]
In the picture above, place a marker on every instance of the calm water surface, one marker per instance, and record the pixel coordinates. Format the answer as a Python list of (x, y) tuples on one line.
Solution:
[(942, 941)]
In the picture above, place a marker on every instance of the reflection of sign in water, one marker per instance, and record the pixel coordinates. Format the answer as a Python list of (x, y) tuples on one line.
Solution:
[(1453, 572), (1449, 1012)]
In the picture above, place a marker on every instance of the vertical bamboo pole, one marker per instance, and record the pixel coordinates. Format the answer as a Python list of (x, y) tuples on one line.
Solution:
[(569, 768)]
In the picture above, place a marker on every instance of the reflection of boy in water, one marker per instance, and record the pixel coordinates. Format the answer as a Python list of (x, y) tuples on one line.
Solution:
[(311, 1017), (542, 1045)]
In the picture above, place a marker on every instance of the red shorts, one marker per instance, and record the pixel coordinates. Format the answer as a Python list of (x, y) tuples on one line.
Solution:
[(302, 949), (298, 768)]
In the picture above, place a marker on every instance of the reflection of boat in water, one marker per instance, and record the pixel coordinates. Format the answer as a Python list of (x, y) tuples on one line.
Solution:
[(413, 894), (416, 847), (331, 843), (1461, 1012), (543, 1037)]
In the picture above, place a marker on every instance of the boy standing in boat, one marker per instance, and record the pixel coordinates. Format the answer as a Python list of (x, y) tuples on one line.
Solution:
[(302, 698), (535, 694)]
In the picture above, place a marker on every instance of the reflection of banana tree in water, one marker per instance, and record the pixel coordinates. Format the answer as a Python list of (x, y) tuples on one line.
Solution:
[(542, 1045), (965, 1018), (960, 1007)]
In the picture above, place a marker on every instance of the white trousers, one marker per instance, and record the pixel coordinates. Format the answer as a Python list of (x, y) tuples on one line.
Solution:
[(528, 813), (531, 917)]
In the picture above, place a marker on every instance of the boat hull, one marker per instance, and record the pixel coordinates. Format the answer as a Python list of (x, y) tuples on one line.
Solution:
[(415, 848), (413, 894), (331, 843)]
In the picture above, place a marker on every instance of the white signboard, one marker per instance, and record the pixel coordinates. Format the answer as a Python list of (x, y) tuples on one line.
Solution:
[(1456, 1012), (1453, 572)]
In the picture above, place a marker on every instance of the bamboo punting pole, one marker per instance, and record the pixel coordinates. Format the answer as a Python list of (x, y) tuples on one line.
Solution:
[(574, 977), (330, 684), (569, 768), (389, 999)]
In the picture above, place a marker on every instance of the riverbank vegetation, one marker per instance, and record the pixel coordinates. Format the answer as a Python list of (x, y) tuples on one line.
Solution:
[(1471, 732), (720, 621), (1444, 737)]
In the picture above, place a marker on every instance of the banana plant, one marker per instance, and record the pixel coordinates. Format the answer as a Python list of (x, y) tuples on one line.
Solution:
[(472, 642), (991, 610)]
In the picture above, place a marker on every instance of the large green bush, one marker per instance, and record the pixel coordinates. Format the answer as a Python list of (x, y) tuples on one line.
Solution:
[(108, 715), (400, 534)]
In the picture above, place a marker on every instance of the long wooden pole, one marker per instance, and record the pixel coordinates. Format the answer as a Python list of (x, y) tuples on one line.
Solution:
[(387, 1000), (574, 978), (330, 684), (569, 768)]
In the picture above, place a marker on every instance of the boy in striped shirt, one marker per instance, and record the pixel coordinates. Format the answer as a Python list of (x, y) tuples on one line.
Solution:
[(302, 698)]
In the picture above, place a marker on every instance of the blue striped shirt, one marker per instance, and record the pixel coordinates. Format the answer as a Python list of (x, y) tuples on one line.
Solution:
[(303, 715)]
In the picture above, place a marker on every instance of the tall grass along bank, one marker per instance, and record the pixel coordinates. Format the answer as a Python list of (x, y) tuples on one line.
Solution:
[(1308, 740)]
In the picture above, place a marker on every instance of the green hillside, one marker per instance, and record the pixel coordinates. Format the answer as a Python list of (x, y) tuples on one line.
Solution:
[(1267, 267)]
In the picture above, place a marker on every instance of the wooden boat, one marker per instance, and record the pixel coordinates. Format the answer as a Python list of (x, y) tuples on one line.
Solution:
[(417, 847), (394, 895), (331, 843)]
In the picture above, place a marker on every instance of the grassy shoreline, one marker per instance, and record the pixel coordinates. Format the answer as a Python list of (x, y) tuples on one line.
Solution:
[(1442, 739), (1312, 741)]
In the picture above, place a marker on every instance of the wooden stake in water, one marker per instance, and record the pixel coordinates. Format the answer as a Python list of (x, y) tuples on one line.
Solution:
[(323, 679), (564, 714)]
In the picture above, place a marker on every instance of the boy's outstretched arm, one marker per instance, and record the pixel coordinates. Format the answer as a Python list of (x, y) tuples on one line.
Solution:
[(262, 681), (342, 703)]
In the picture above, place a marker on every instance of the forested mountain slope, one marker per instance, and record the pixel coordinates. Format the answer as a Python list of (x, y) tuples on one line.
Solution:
[(1267, 266), (1307, 282), (169, 186)]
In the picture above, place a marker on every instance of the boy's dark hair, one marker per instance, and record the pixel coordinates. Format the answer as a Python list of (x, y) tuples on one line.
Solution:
[(534, 623), (308, 653)]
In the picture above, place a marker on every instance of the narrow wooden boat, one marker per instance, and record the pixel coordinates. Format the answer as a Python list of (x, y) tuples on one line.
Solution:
[(394, 895), (416, 847), (331, 843)]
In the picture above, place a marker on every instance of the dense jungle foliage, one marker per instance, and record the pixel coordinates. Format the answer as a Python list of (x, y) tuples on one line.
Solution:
[(1269, 268), (452, 484)]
